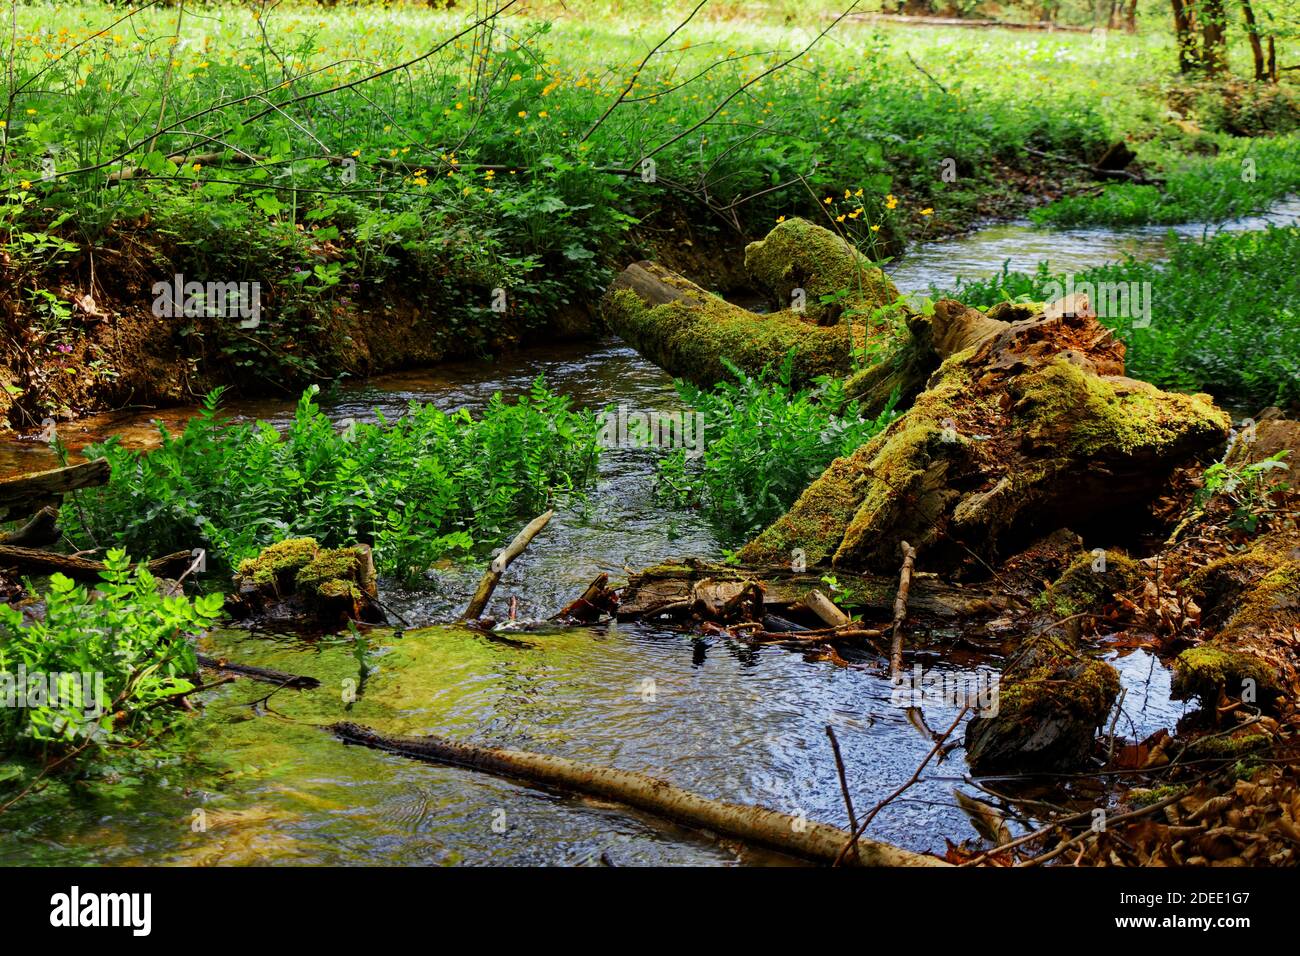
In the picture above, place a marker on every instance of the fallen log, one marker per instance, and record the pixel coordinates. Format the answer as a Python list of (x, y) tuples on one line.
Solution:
[(806, 839), (811, 277), (42, 530), (266, 675), (492, 576), (1033, 428), (1098, 172), (668, 588), (32, 561), (825, 609), (24, 494), (900, 612)]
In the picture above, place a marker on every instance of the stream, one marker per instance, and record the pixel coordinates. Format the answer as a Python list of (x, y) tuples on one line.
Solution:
[(256, 780)]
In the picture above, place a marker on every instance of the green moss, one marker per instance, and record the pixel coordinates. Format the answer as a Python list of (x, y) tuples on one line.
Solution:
[(1109, 414), (1144, 796), (800, 255), (1056, 676), (1204, 672), (340, 564), (1273, 604), (1082, 589), (276, 565), (1227, 747), (690, 337)]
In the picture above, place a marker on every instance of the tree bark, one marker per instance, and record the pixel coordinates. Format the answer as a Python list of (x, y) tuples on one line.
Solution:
[(1188, 55), (1214, 43), (806, 839), (1252, 35)]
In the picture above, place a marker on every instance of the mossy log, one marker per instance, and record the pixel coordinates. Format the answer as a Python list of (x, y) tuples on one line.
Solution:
[(1030, 428), (688, 331), (1051, 700), (805, 839)]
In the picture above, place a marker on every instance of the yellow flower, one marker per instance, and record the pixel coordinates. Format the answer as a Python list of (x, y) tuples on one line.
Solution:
[(927, 212), (197, 167), (840, 217), (523, 113), (356, 152), (420, 181), (780, 218), (25, 184), (875, 228), (847, 194), (31, 112), (859, 192), (890, 201), (827, 200)]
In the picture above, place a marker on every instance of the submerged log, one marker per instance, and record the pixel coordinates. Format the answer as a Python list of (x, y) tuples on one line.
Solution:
[(266, 675), (24, 494), (32, 561), (806, 839), (689, 331), (1032, 428)]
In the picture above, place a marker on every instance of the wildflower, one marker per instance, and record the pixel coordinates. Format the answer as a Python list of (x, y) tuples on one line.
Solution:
[(523, 113), (875, 228), (780, 218), (356, 152), (840, 217), (890, 201), (927, 212), (197, 167), (31, 112), (25, 184), (827, 200)]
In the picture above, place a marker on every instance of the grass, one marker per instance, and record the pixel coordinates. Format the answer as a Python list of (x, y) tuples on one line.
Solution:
[(499, 162), (1225, 314)]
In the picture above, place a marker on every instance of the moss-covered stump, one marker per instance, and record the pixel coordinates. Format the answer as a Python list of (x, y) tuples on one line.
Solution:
[(1255, 657), (1089, 583), (1051, 700), (1031, 429), (298, 583), (834, 277)]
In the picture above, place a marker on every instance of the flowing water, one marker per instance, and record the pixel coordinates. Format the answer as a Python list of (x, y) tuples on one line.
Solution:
[(258, 780)]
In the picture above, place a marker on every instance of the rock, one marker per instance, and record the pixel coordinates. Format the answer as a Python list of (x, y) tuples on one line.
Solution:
[(1032, 428), (297, 583), (1051, 700)]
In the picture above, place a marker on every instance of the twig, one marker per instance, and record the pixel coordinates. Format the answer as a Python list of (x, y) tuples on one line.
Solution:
[(900, 611), (844, 782), (499, 564)]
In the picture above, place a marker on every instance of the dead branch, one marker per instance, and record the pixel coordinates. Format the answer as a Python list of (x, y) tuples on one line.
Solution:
[(499, 564), (900, 611)]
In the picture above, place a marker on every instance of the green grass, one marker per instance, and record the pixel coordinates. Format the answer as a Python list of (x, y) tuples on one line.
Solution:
[(1225, 314), (428, 485)]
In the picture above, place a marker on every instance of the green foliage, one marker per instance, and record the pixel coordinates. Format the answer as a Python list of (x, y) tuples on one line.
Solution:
[(1247, 488), (764, 442), (1224, 318), (430, 484), (129, 634), (1244, 177)]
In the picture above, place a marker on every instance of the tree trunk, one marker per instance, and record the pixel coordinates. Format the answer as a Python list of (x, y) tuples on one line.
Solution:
[(1131, 17), (1252, 35), (1188, 55), (806, 839), (1214, 43)]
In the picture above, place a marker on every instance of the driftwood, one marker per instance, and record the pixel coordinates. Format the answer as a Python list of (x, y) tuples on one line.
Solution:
[(40, 531), (499, 564), (265, 674), (25, 494), (825, 609), (596, 601), (806, 839), (900, 611), (32, 561), (668, 588)]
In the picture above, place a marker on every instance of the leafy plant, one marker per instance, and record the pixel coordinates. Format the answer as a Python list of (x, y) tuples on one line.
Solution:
[(131, 643), (429, 484), (1246, 488), (764, 442)]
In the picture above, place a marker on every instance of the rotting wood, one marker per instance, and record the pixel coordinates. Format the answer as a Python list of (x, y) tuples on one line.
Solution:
[(265, 674), (499, 564), (40, 531), (32, 561), (806, 839), (825, 609), (24, 494)]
